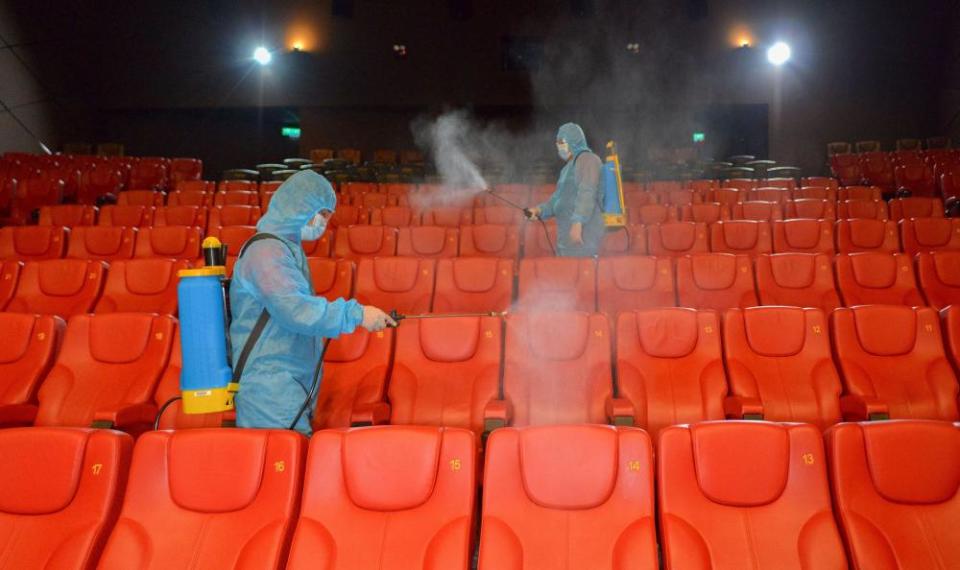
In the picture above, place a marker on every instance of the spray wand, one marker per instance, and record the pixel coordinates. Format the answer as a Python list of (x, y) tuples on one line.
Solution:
[(396, 316), (528, 214)]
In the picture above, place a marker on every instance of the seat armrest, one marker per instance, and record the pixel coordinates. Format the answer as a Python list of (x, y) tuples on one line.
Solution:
[(373, 414), (125, 417), (743, 408), (863, 408), (620, 411), (496, 414), (17, 415)]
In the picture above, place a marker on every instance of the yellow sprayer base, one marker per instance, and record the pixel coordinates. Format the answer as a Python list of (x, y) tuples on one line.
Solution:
[(614, 220), (209, 401)]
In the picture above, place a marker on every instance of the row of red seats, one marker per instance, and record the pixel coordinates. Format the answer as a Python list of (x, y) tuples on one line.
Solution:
[(26, 186), (670, 239), (662, 367), (715, 495), (923, 176)]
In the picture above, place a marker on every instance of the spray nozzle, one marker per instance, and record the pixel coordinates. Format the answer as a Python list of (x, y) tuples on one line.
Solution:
[(397, 317)]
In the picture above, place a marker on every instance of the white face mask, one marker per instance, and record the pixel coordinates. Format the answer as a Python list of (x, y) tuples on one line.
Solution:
[(563, 150), (314, 228)]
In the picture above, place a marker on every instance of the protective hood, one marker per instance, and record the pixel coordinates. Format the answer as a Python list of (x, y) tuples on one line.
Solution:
[(297, 200), (573, 134)]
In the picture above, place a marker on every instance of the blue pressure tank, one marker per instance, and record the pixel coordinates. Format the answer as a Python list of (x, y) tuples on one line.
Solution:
[(614, 213), (205, 379)]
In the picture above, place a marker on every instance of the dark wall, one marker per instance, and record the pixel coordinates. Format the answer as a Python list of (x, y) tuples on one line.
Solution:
[(178, 75)]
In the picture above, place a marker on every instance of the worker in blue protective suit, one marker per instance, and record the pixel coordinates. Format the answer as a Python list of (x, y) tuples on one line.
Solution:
[(576, 203), (273, 275)]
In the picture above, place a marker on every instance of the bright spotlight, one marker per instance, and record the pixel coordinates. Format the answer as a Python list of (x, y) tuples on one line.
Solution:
[(262, 55), (778, 54)]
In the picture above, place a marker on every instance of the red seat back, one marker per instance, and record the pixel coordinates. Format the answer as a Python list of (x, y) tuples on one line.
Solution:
[(870, 278), (797, 279), (803, 236), (715, 281), (428, 241), (401, 283), (63, 287), (474, 284), (104, 243), (634, 282), (141, 286), (557, 284), (354, 385)]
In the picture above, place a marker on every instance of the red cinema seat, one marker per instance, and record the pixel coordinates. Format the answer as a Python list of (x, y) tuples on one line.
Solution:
[(815, 193), (184, 198), (785, 183), (677, 239), (318, 247), (107, 370), (172, 242), (568, 497), (862, 210), (34, 193), (670, 367), (99, 181), (177, 496), (237, 198), (779, 365), (446, 373), (702, 186), (473, 284), (877, 278), (354, 386), (354, 242), (26, 355), (705, 213), (849, 175), (419, 517), (181, 216), (9, 277), (939, 275), (33, 243), (797, 279), (745, 495), (358, 188), (237, 186), (557, 368), (811, 209), (878, 173), (401, 283), (768, 194), (127, 216), (680, 197), (63, 287), (393, 216), (503, 215), (803, 236), (652, 214), (104, 243), (68, 215), (893, 363), (663, 186), (60, 492), (557, 284), (715, 281), (140, 198), (447, 216), (146, 174), (141, 286), (347, 215), (870, 193), (821, 181), (540, 239), (867, 235), (742, 184), (370, 200), (929, 234), (916, 177), (432, 242), (728, 196), (489, 240), (185, 169), (746, 237), (235, 215), (895, 492), (332, 278), (759, 211), (631, 198), (634, 282), (905, 208), (628, 240)]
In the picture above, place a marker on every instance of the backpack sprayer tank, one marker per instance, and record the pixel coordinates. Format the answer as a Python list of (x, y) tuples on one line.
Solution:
[(614, 212), (206, 378)]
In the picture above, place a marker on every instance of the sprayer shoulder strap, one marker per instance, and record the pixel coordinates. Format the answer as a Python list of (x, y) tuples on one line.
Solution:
[(261, 321)]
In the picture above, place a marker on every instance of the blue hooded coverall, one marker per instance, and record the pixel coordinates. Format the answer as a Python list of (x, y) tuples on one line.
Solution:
[(274, 275), (577, 197)]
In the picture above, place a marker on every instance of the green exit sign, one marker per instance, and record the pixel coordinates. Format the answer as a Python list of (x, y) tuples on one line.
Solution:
[(290, 132), (699, 137)]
